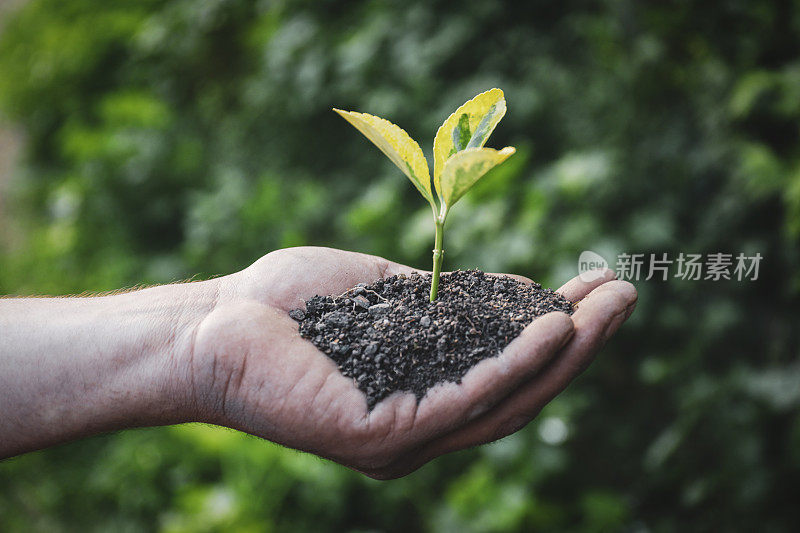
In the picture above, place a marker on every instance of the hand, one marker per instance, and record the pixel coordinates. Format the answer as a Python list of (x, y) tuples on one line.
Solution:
[(250, 370)]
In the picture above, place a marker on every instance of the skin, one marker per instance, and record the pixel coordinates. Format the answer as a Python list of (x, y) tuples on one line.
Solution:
[(225, 352)]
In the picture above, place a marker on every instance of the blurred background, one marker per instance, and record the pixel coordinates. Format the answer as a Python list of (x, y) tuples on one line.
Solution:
[(148, 141)]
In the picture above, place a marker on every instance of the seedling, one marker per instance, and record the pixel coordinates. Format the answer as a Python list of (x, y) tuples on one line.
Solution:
[(459, 158)]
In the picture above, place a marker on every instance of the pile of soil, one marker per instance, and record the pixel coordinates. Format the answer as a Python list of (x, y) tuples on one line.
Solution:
[(389, 337)]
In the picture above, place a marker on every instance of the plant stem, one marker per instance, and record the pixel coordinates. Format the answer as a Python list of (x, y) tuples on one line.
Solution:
[(438, 253)]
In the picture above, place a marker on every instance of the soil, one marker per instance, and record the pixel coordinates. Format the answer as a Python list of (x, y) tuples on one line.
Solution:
[(389, 337)]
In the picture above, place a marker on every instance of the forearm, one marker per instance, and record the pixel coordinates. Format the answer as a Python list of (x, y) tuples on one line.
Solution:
[(71, 367)]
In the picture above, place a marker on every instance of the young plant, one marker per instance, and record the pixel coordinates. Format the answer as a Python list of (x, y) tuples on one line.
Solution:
[(459, 158)]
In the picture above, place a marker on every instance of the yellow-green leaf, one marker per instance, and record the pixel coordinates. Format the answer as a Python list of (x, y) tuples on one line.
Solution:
[(469, 127), (463, 169), (397, 145)]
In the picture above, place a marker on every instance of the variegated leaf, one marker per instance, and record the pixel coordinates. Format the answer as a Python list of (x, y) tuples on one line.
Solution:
[(463, 169), (469, 127), (397, 145)]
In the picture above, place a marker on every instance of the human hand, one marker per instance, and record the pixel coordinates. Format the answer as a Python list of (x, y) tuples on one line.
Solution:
[(248, 368)]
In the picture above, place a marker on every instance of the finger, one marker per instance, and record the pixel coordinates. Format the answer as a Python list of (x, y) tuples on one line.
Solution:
[(450, 405), (618, 286), (598, 317), (576, 289)]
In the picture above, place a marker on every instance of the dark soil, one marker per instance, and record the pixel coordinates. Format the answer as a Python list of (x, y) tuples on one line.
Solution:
[(389, 337)]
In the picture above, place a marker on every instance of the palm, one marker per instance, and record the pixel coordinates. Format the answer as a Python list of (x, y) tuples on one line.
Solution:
[(266, 380)]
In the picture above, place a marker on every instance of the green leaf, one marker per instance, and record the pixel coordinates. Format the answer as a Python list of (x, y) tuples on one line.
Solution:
[(397, 145), (465, 168), (469, 127)]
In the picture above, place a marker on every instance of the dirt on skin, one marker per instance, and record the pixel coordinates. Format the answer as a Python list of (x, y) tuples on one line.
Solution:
[(389, 337)]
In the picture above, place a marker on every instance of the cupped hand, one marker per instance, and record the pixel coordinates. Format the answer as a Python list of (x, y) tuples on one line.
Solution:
[(251, 370)]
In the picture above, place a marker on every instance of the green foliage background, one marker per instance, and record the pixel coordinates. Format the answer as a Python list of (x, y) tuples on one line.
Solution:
[(167, 139)]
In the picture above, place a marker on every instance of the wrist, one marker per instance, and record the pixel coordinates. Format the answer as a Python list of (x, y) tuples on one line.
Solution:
[(168, 319), (73, 367)]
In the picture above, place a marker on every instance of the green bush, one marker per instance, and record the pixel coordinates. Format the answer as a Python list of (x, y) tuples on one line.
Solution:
[(169, 139)]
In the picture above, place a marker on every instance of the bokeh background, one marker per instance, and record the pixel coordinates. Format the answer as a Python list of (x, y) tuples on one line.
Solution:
[(148, 141)]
